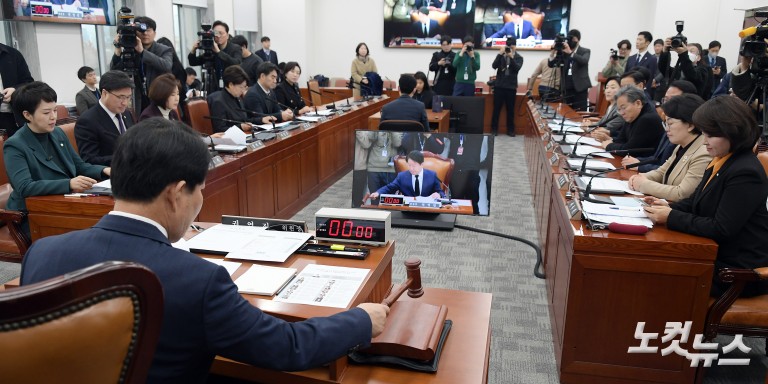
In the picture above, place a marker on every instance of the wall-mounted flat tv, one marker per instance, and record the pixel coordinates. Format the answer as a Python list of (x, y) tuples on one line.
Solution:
[(98, 12)]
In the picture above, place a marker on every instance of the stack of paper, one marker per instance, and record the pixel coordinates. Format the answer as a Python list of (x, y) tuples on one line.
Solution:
[(591, 164), (555, 127), (261, 280), (582, 140), (269, 126), (249, 243), (606, 213), (584, 150), (608, 185), (324, 285)]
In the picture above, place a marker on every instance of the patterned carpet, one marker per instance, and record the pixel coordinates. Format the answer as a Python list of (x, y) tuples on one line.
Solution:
[(521, 341)]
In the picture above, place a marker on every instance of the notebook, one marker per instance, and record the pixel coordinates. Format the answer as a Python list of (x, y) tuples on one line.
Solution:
[(263, 280)]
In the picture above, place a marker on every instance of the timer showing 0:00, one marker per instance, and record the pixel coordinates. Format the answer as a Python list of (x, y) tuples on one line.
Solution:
[(41, 10), (347, 228)]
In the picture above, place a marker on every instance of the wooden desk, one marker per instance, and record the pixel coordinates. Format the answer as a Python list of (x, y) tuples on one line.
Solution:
[(331, 94), (448, 209), (441, 119), (276, 180), (464, 359), (600, 284)]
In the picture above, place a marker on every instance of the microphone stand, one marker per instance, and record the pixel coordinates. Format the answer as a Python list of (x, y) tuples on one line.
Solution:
[(588, 189), (333, 102)]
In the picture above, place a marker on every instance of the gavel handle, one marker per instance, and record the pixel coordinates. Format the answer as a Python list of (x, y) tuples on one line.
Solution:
[(394, 295)]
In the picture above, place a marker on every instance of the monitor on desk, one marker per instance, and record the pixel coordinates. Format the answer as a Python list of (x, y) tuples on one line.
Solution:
[(459, 166)]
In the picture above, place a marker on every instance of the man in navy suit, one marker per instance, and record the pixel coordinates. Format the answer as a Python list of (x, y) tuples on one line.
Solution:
[(158, 174), (416, 181), (265, 53), (406, 107), (97, 130), (425, 27), (261, 96), (716, 63), (644, 59), (518, 27)]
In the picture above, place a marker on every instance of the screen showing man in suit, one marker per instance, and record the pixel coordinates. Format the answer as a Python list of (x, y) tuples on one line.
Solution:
[(416, 181), (461, 164)]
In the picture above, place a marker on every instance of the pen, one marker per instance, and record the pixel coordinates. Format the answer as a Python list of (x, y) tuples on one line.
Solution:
[(623, 208), (79, 195), (197, 227)]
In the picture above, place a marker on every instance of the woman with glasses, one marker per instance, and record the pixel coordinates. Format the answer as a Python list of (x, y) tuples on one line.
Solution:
[(729, 203), (226, 106), (287, 92), (39, 158), (677, 178), (164, 97), (609, 125)]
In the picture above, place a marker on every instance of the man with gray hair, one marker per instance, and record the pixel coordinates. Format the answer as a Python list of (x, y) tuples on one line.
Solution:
[(642, 125)]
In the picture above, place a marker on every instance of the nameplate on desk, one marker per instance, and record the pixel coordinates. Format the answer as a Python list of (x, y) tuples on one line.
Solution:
[(306, 126), (574, 211), (266, 223), (255, 145), (546, 136), (284, 134), (322, 119), (424, 204), (554, 159), (562, 181), (215, 162), (355, 107), (548, 146)]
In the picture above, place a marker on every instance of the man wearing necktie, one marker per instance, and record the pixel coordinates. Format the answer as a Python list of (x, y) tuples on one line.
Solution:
[(416, 181), (645, 59), (424, 26), (717, 64), (518, 27)]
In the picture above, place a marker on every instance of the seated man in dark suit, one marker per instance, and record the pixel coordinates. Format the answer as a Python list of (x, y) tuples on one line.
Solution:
[(158, 175), (405, 107), (97, 130), (416, 181), (642, 127), (261, 97)]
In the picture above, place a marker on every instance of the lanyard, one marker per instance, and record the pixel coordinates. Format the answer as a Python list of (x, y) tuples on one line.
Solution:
[(421, 142), (461, 140)]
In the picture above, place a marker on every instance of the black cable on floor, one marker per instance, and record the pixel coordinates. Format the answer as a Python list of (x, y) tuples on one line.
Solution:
[(536, 268)]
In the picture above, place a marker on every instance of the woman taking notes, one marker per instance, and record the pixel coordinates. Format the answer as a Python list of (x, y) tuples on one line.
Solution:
[(729, 204), (681, 173)]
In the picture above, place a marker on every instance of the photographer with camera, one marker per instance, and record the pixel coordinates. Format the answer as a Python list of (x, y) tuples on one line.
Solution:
[(466, 63), (445, 73), (576, 69), (217, 51), (549, 86), (687, 67), (151, 59), (618, 60), (507, 64)]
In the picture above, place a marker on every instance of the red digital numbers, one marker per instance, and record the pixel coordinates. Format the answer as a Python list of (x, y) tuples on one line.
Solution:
[(392, 200), (347, 228), (41, 10)]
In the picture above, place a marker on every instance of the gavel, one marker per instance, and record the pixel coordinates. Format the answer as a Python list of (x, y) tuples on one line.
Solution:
[(412, 283)]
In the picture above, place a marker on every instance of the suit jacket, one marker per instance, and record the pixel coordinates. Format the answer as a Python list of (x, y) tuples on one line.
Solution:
[(155, 61), (13, 67), (696, 74), (84, 100), (289, 95), (719, 62), (152, 110), (418, 30), (445, 76), (663, 152), (272, 56), (435, 143), (223, 105), (425, 97), (683, 178), (731, 211), (32, 174), (405, 108), (500, 65), (96, 135), (402, 183), (509, 30), (648, 61), (256, 100), (579, 63), (203, 314), (230, 55), (644, 132), (250, 65), (612, 120)]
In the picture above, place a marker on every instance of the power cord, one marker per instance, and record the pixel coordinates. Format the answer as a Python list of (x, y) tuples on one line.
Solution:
[(536, 268)]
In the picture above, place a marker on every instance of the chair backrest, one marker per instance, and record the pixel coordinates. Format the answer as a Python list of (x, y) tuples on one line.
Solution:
[(442, 166), (763, 157), (401, 126), (197, 108), (339, 82), (69, 129), (96, 325), (61, 111), (3, 173), (390, 85), (314, 93)]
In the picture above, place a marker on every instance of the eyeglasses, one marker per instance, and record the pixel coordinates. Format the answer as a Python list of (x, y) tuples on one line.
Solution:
[(123, 98)]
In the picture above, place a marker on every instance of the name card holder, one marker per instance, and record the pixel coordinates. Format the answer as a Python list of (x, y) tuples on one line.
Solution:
[(562, 181), (255, 145), (268, 224), (284, 134), (549, 146), (574, 210), (306, 126), (215, 162), (554, 159)]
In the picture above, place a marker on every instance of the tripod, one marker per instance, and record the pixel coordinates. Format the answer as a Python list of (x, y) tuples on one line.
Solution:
[(209, 81)]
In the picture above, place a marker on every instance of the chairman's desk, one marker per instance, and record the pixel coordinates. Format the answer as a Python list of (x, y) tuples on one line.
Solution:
[(441, 119), (600, 284), (275, 180)]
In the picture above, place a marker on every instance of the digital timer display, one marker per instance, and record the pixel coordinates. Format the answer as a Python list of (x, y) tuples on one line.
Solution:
[(350, 229), (41, 10)]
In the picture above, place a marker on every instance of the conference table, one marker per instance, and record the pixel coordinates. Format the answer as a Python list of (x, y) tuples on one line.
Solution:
[(441, 119), (274, 180), (600, 284)]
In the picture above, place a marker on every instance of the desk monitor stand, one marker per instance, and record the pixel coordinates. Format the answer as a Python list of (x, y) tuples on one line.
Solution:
[(424, 220)]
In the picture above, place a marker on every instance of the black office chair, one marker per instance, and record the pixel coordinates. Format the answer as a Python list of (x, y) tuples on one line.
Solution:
[(401, 126)]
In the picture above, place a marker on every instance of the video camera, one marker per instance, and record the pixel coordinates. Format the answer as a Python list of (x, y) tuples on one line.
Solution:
[(615, 55), (558, 44), (127, 29), (679, 40), (206, 41)]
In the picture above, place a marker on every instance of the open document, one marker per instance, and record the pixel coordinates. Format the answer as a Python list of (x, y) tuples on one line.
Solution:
[(607, 213), (247, 243), (323, 285)]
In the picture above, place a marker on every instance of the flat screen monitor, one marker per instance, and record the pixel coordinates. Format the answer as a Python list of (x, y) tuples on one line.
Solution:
[(489, 22), (456, 177), (99, 12)]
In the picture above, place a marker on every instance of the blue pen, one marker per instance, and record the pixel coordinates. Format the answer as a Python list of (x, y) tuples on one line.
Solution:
[(623, 208)]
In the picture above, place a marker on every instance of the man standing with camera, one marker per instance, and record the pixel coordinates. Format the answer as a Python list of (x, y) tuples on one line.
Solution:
[(507, 64), (618, 61), (151, 59), (466, 63), (686, 67), (576, 80), (445, 73), (223, 54)]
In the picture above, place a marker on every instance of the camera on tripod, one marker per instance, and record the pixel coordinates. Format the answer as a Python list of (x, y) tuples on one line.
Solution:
[(754, 45), (679, 40), (127, 29), (206, 40)]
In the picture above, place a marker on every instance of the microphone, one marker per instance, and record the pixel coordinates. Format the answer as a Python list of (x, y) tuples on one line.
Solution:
[(575, 145), (213, 150), (296, 88), (447, 200), (624, 152), (281, 105), (333, 102), (588, 189), (752, 30), (259, 114), (226, 120), (368, 87), (640, 163)]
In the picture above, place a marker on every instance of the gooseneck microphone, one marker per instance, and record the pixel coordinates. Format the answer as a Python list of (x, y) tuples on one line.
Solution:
[(333, 102), (640, 163), (588, 189)]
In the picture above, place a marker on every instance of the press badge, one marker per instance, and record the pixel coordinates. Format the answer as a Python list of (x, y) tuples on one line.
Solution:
[(570, 71), (460, 151), (466, 76), (383, 153), (221, 83)]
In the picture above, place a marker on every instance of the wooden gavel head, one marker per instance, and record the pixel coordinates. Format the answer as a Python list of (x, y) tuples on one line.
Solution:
[(413, 277)]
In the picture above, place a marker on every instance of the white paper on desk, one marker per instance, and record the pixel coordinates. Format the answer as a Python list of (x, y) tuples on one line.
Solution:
[(591, 164), (584, 150), (230, 266), (572, 139), (104, 184), (612, 210), (262, 280), (620, 219), (269, 126), (626, 201), (324, 285), (311, 119), (274, 246), (223, 238), (555, 127), (181, 244), (236, 134), (605, 183)]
